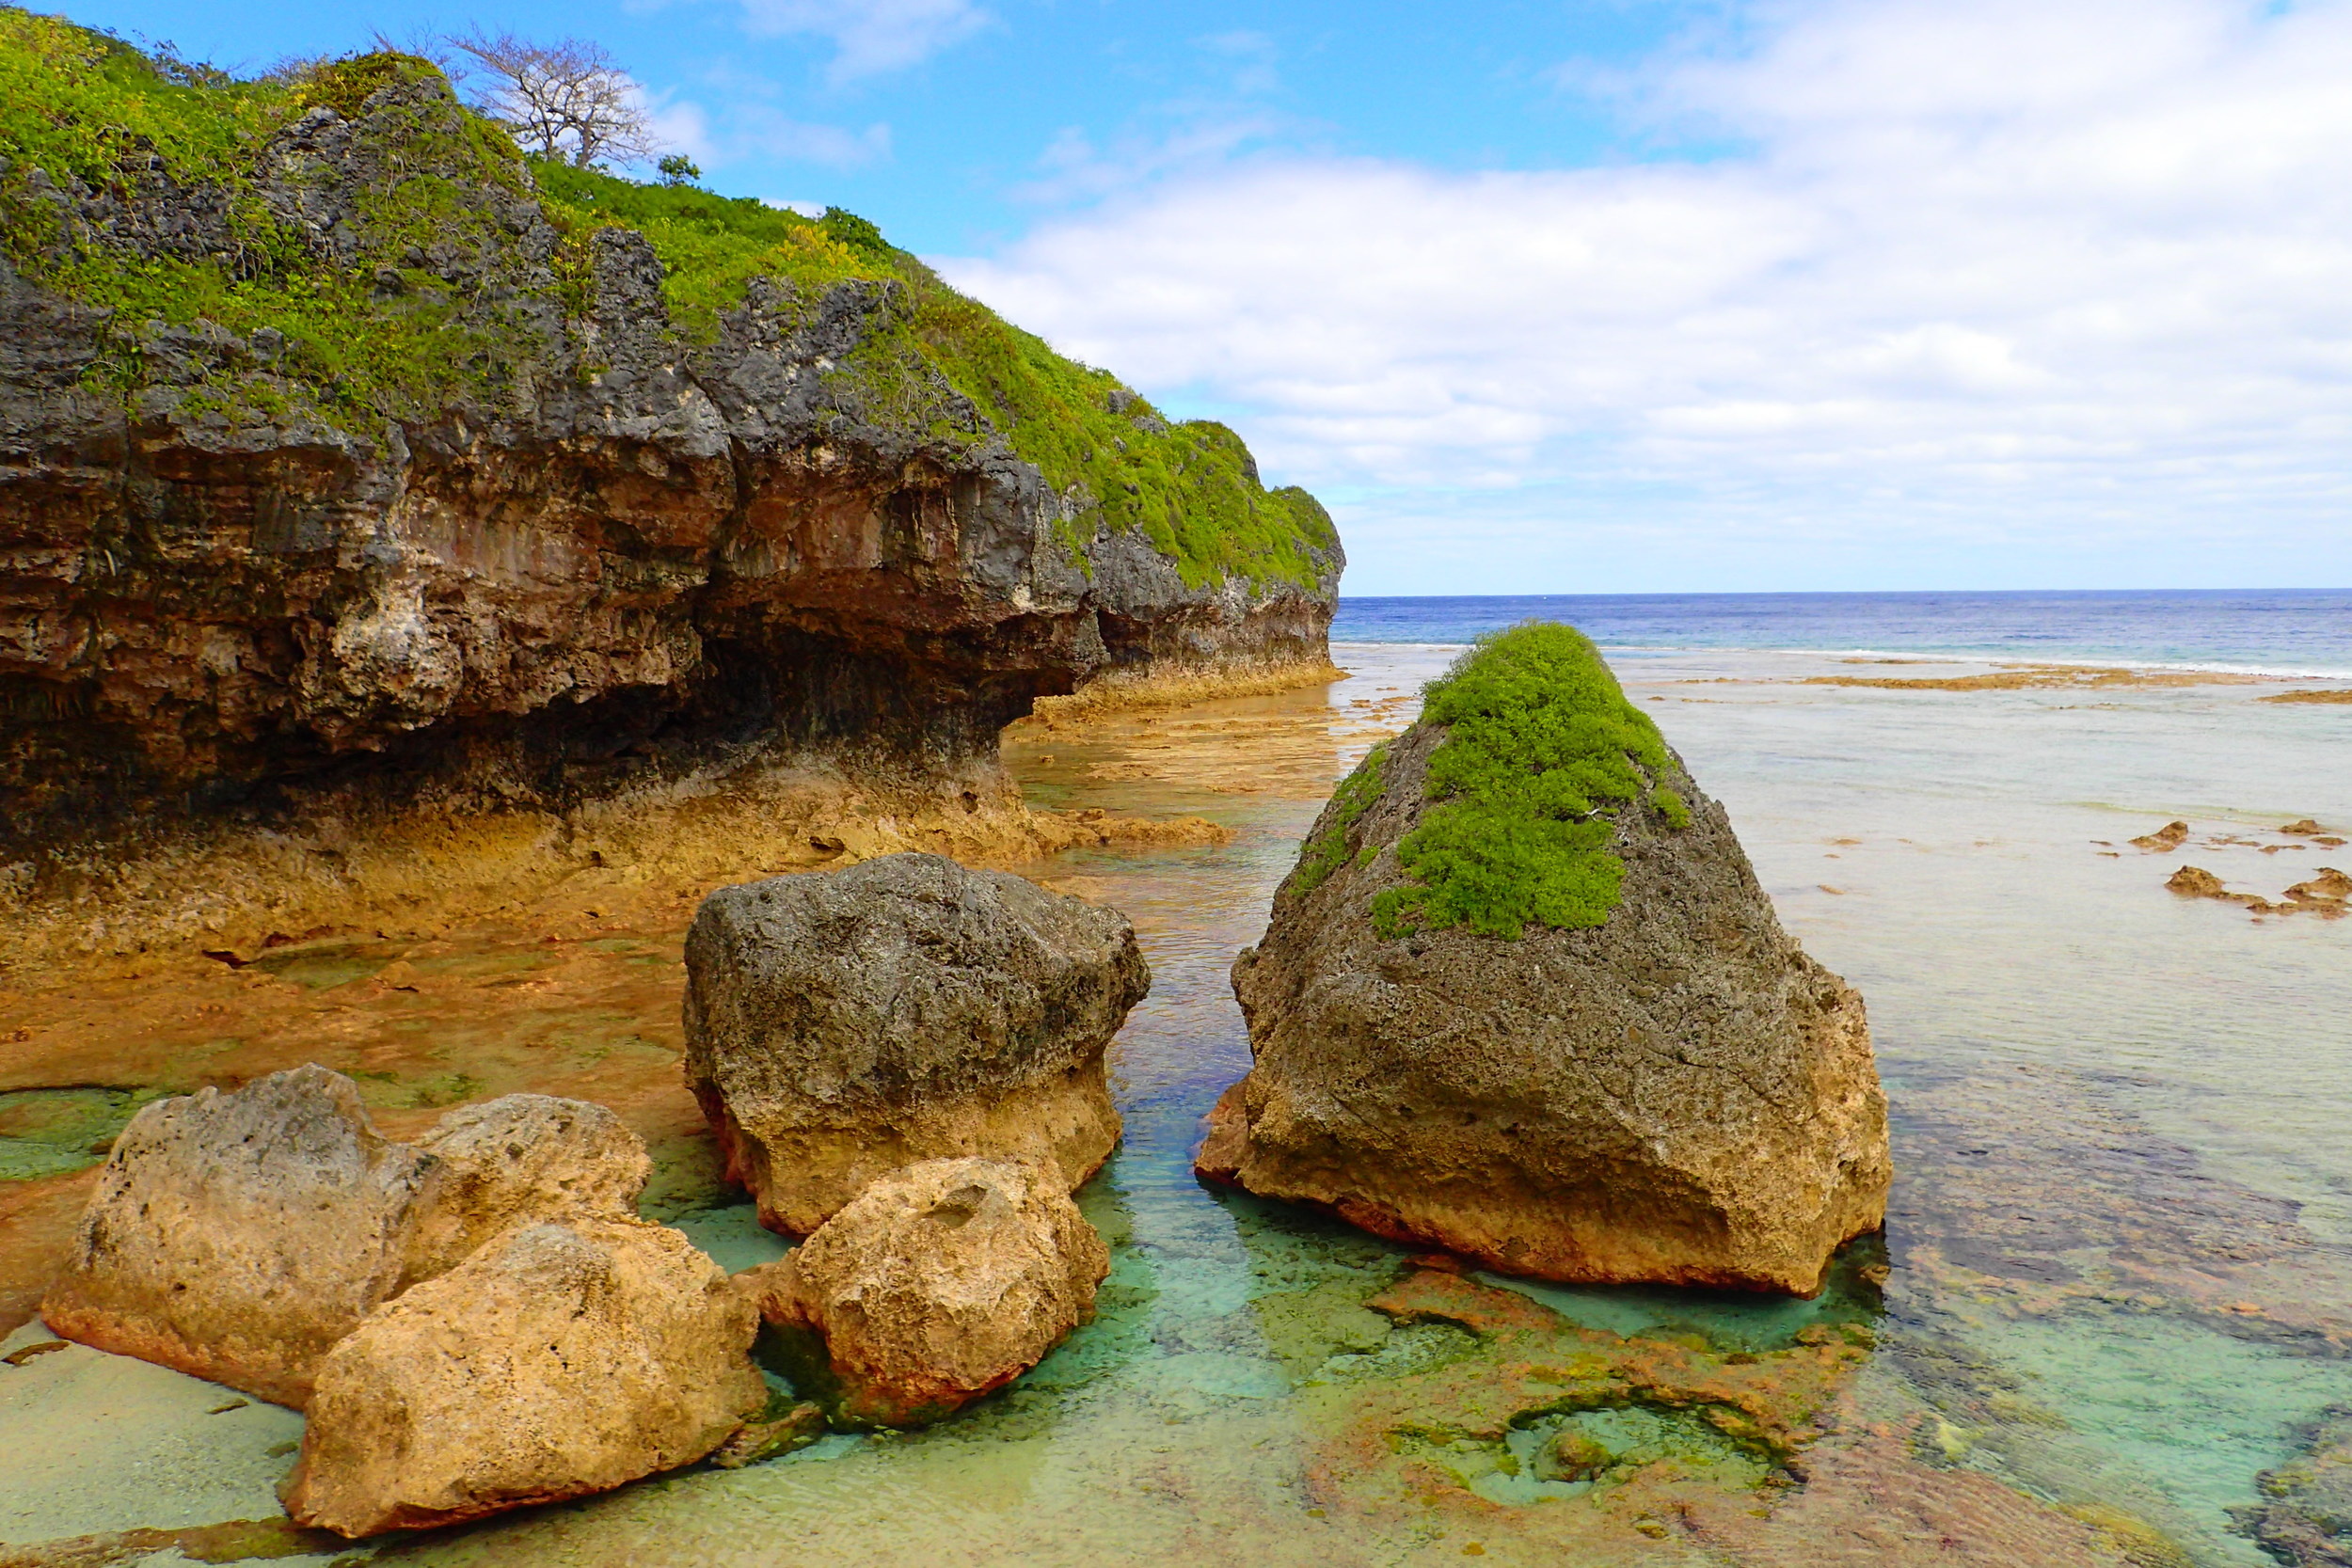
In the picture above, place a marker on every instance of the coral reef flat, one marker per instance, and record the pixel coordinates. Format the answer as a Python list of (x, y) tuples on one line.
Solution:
[(2114, 1293)]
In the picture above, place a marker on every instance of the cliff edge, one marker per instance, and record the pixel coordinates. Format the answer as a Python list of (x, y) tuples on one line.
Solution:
[(350, 461)]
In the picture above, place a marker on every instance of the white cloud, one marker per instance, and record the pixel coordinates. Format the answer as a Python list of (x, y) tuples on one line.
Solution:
[(871, 36), (754, 131), (1991, 277)]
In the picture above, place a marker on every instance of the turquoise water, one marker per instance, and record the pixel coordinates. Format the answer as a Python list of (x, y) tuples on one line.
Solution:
[(2118, 1269)]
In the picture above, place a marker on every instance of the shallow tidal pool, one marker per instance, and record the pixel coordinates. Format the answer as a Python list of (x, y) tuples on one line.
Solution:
[(2115, 1286)]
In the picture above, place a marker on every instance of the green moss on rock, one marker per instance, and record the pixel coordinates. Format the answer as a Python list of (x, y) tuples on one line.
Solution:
[(387, 327), (1542, 750)]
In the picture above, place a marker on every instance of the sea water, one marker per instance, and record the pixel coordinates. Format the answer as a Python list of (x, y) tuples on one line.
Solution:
[(2120, 1240)]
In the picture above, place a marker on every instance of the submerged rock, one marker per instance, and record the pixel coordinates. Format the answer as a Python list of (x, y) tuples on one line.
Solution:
[(942, 1282), (238, 1237), (842, 1024), (568, 1360), (1526, 1001), (2306, 1518)]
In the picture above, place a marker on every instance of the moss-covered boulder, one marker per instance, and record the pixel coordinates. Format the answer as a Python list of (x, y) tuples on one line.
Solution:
[(1523, 998)]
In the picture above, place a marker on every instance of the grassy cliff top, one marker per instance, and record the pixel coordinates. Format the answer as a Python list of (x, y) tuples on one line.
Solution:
[(425, 303), (1542, 750)]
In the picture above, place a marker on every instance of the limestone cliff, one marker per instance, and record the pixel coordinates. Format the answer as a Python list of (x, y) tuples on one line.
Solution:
[(346, 456)]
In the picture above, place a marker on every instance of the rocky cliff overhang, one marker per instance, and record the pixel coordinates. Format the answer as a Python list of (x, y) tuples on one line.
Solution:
[(616, 551)]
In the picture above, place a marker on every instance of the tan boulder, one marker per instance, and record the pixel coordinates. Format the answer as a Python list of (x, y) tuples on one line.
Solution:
[(522, 1159), (238, 1236), (565, 1360), (842, 1024), (939, 1283)]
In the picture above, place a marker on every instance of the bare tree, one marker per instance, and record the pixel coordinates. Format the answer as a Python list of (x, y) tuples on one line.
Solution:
[(565, 100)]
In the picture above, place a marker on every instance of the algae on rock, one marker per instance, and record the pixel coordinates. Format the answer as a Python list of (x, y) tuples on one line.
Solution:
[(1525, 1000)]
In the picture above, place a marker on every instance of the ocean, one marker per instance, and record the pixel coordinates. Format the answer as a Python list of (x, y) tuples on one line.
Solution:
[(2284, 631)]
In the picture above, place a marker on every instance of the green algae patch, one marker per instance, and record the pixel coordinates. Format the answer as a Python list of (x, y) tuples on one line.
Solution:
[(1542, 750), (1529, 1411), (56, 1131)]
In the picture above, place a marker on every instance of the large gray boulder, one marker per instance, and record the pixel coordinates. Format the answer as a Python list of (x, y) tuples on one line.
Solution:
[(1654, 1082), (840, 1025), (942, 1282), (239, 1236)]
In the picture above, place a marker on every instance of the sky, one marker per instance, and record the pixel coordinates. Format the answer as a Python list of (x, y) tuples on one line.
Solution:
[(1602, 295)]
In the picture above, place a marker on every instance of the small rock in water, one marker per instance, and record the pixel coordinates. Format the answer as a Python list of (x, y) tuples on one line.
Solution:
[(841, 1025), (2195, 881), (566, 1360), (797, 1428), (2306, 828), (2305, 1518), (2330, 886), (940, 1282), (2165, 839)]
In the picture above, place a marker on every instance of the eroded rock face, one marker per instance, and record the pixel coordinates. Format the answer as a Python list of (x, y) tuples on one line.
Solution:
[(942, 1282), (565, 1360), (842, 1024), (521, 1160), (238, 1237), (1678, 1095), (627, 554)]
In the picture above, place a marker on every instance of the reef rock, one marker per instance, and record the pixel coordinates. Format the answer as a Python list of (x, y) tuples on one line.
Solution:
[(943, 1281), (2305, 1519), (1527, 1002), (570, 1360), (238, 1236), (842, 1024)]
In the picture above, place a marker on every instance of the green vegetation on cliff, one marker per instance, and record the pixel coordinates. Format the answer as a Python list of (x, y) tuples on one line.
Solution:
[(1541, 750), (429, 302)]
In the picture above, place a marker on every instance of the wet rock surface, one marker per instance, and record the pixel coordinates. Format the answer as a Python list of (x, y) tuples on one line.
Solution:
[(239, 1237), (840, 1025), (565, 1360), (1679, 1095), (941, 1283)]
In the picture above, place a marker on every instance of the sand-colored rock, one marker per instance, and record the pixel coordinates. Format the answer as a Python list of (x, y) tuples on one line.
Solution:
[(2165, 839), (522, 1160), (1678, 1095), (842, 1024), (237, 1237), (2195, 881), (566, 1360), (943, 1281)]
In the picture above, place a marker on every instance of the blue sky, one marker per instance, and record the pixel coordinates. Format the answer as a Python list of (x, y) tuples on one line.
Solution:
[(1607, 296)]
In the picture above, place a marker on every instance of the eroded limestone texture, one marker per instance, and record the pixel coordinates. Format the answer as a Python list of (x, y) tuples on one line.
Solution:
[(1678, 1095), (565, 1360), (238, 1237), (942, 1282), (842, 1024)]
